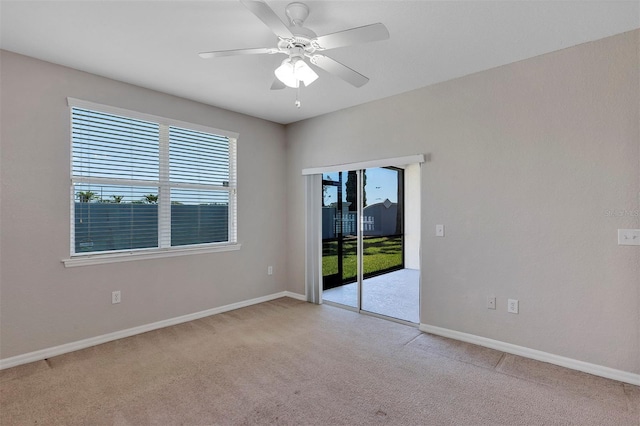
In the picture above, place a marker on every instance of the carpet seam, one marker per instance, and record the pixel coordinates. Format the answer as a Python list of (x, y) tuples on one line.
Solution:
[(444, 355), (452, 357), (500, 362), (546, 385), (414, 339)]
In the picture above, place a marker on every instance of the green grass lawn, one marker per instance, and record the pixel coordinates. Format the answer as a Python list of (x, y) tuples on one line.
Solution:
[(379, 253)]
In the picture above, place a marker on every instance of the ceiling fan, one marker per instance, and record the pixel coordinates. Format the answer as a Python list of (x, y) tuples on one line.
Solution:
[(300, 44)]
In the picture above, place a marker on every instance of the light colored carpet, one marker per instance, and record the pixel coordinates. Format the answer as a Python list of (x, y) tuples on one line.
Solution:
[(290, 362)]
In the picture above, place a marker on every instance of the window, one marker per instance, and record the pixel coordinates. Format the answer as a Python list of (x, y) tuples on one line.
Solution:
[(142, 184)]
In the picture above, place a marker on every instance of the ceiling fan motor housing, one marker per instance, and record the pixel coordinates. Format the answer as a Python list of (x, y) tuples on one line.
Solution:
[(302, 40), (297, 14)]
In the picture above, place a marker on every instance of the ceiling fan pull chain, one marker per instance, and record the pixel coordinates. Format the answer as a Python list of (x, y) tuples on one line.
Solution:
[(297, 103)]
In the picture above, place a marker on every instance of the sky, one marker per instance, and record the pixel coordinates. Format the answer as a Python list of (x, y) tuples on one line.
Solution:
[(381, 184)]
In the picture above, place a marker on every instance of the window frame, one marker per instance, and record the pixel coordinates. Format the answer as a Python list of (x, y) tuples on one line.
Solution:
[(164, 248)]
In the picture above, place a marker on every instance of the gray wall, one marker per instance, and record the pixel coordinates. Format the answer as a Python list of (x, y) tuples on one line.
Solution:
[(42, 304), (525, 161)]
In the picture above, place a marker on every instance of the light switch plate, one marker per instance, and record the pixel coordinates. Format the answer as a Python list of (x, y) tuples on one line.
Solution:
[(439, 230), (491, 302), (629, 237)]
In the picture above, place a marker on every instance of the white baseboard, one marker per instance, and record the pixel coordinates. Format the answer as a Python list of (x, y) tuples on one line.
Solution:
[(297, 296), (586, 367), (574, 364), (93, 341)]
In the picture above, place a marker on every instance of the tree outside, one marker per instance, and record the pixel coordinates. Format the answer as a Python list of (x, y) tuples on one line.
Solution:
[(86, 196), (352, 190)]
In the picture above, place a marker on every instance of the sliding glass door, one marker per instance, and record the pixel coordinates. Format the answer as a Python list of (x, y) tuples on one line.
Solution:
[(363, 239), (340, 237), (383, 289)]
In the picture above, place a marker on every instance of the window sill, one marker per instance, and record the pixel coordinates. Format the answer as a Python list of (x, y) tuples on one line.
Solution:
[(100, 259)]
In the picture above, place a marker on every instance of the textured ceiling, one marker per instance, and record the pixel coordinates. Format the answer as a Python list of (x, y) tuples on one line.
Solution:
[(155, 44)]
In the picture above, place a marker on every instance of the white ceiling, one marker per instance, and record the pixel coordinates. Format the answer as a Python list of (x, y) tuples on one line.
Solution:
[(155, 44)]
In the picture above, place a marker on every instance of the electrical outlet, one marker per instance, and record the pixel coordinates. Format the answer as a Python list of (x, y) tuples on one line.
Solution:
[(629, 237), (491, 302), (512, 306), (269, 270), (115, 297)]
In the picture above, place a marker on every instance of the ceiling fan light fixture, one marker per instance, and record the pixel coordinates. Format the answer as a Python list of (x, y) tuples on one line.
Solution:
[(294, 70)]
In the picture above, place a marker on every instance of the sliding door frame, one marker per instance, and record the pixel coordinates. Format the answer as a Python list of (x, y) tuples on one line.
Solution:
[(313, 221), (359, 246)]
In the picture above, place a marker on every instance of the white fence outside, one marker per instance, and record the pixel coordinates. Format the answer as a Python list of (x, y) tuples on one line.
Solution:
[(378, 219)]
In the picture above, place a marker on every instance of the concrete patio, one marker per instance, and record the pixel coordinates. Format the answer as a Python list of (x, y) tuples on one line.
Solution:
[(396, 294)]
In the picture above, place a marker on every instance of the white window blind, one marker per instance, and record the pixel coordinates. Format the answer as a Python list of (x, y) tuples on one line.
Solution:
[(200, 177), (145, 184), (113, 147)]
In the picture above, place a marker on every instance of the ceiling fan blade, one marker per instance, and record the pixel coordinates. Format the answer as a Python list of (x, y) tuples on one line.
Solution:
[(336, 68), (277, 85), (269, 17), (366, 34), (236, 52)]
